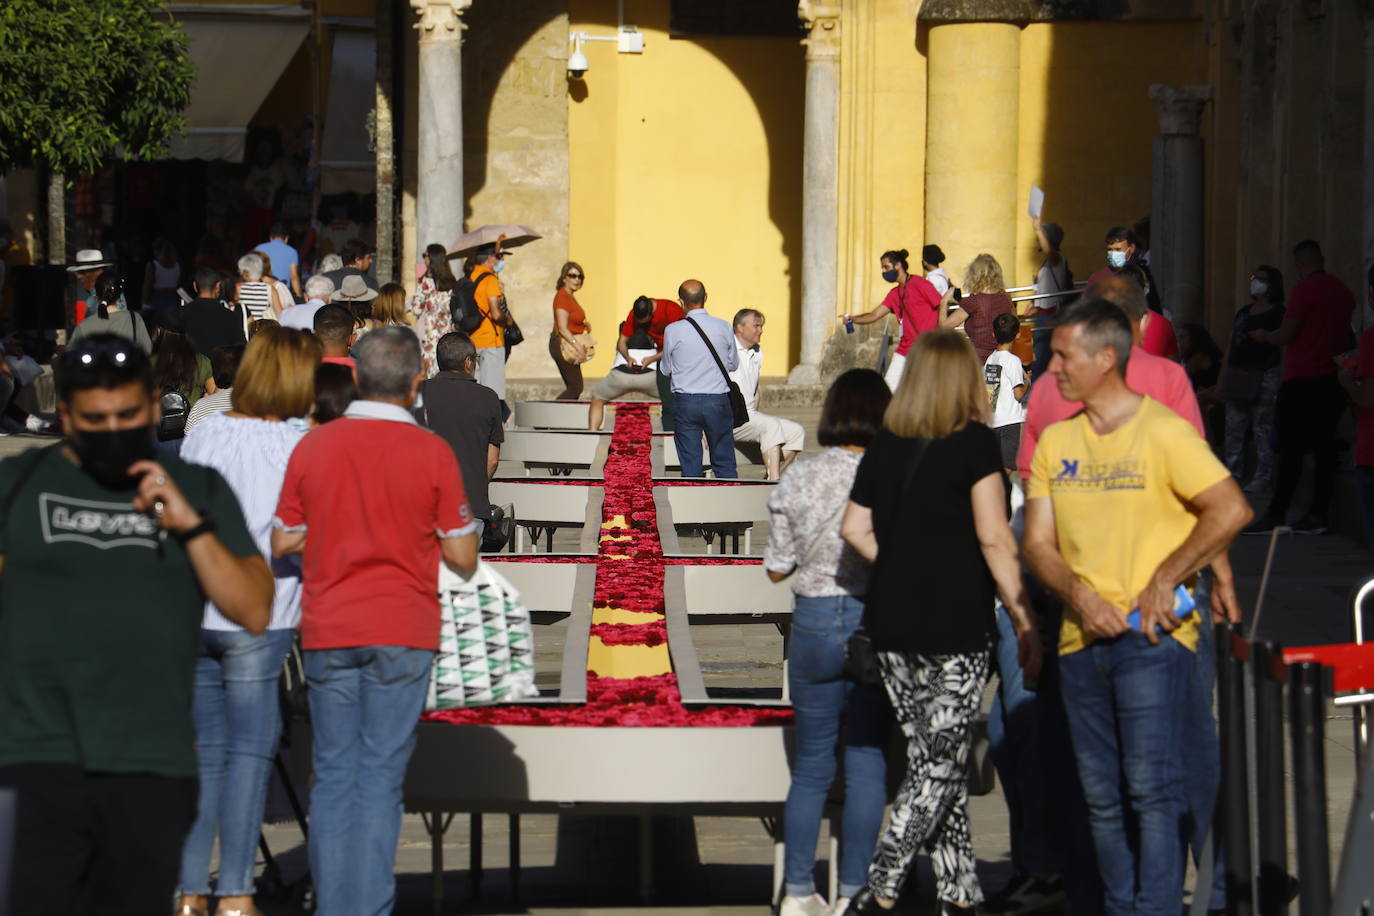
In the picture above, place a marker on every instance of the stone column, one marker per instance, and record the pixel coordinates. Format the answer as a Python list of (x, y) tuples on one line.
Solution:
[(820, 149), (1176, 240), (973, 102), (439, 203)]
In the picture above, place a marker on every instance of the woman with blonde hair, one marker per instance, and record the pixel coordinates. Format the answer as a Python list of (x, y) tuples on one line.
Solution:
[(235, 708), (389, 308), (942, 553), (983, 299), (569, 321)]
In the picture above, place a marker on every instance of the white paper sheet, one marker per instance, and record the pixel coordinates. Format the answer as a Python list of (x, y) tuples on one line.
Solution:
[(1037, 201)]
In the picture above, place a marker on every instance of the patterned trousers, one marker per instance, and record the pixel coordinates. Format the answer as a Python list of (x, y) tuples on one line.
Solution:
[(1256, 418), (934, 698)]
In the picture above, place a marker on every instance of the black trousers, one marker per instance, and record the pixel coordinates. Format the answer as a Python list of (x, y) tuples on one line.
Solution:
[(1307, 413), (92, 843)]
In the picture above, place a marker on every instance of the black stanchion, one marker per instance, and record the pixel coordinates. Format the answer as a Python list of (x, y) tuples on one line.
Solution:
[(1307, 717), (1269, 675), (1232, 653)]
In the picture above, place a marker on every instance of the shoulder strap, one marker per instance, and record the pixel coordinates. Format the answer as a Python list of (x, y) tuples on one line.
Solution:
[(921, 445), (710, 349)]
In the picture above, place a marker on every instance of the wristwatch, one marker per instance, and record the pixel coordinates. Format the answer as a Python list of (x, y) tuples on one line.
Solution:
[(206, 526)]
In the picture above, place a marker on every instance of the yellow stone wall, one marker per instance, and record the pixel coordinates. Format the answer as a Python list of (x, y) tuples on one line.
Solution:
[(685, 161)]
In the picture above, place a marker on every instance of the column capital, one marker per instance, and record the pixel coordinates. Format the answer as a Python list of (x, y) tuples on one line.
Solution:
[(1180, 107), (822, 21), (440, 19)]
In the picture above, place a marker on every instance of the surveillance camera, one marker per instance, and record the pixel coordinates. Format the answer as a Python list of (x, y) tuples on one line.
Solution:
[(577, 64)]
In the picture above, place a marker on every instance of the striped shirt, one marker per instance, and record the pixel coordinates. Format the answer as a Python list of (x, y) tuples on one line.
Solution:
[(256, 299)]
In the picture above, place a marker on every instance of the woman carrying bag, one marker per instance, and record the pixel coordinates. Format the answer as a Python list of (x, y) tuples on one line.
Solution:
[(942, 552), (570, 344), (829, 581)]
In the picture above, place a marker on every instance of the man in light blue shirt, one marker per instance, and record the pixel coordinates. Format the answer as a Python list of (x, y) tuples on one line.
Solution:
[(286, 263), (701, 400)]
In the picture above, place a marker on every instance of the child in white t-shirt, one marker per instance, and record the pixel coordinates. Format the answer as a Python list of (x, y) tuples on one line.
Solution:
[(1006, 379)]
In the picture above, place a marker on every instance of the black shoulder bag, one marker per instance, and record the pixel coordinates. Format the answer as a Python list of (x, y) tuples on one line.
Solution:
[(738, 405), (860, 658)]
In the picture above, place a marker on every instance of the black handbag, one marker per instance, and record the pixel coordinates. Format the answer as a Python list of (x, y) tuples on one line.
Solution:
[(1241, 386), (860, 658), (738, 405)]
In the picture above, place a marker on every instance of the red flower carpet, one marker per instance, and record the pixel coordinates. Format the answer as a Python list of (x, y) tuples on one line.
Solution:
[(629, 583)]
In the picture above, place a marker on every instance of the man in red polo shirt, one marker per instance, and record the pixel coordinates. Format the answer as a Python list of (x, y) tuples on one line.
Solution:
[(1315, 330), (373, 502), (639, 348)]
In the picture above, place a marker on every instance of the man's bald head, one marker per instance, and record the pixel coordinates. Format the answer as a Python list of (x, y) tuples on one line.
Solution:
[(1121, 292), (692, 294)]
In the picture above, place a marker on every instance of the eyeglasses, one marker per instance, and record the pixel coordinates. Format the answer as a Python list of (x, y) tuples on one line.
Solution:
[(572, 276)]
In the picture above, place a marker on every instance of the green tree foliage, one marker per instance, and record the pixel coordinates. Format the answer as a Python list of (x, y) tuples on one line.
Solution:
[(80, 79)]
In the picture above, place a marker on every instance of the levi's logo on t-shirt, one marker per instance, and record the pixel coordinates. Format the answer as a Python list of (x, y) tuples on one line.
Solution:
[(102, 525)]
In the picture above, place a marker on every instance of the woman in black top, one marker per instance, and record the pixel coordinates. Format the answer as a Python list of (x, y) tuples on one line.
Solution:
[(942, 551), (1250, 381)]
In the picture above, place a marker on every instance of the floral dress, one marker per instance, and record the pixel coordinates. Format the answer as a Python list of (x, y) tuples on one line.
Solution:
[(432, 321)]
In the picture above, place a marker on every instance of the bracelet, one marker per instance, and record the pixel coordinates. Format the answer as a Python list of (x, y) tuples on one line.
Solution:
[(206, 526)]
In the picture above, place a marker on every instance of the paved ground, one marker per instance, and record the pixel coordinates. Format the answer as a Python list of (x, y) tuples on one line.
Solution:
[(722, 865)]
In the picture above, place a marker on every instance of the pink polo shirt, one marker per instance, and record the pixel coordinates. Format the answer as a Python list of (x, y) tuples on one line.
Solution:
[(917, 306), (1162, 379)]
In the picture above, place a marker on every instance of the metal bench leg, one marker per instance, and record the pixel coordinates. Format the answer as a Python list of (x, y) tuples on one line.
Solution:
[(515, 859), (475, 856), (436, 823)]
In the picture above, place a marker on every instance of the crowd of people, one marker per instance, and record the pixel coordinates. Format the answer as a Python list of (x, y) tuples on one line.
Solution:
[(228, 479)]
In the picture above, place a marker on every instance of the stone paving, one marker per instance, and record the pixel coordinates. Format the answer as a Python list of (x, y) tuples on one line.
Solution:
[(723, 865)]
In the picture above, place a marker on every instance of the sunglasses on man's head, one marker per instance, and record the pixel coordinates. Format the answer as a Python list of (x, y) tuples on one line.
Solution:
[(87, 355)]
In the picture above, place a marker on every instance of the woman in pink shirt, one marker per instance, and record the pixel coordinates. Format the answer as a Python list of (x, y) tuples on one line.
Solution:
[(913, 300)]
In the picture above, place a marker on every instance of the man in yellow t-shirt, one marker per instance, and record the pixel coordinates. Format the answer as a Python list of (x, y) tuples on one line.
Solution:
[(1125, 503), (490, 336)]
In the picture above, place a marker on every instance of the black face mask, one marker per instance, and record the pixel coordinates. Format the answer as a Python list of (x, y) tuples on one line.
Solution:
[(890, 276), (106, 454)]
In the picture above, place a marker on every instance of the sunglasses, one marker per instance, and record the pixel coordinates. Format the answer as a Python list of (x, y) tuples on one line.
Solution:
[(86, 355), (572, 276)]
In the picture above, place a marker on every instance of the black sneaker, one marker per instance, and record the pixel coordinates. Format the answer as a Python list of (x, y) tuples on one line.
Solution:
[(1263, 525), (1025, 894)]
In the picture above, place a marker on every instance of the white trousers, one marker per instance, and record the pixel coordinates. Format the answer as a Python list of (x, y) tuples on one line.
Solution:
[(770, 431)]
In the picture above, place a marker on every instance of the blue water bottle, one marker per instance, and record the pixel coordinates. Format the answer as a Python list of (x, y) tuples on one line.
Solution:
[(1183, 606), (849, 325)]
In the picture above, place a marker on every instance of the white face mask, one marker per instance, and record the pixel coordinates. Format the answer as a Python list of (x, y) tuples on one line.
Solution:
[(1258, 287)]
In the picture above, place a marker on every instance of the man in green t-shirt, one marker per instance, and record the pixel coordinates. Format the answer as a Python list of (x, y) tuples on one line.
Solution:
[(106, 560)]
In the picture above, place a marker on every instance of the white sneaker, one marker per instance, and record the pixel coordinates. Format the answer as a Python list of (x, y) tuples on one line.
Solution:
[(38, 425), (814, 905), (841, 904)]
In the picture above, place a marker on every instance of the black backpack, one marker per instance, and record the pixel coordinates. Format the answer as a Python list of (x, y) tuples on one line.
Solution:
[(467, 314), (174, 411)]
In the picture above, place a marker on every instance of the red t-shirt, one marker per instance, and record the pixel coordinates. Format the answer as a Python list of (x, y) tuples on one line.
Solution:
[(348, 361), (374, 496), (666, 311), (916, 306), (981, 309), (1159, 337), (1364, 419), (1162, 379), (1323, 305)]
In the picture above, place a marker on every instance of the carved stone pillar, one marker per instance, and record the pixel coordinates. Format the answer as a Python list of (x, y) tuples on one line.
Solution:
[(1176, 239), (820, 151), (439, 203)]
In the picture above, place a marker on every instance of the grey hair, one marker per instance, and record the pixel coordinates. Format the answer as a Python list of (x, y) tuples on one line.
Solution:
[(1104, 325), (251, 264), (744, 315), (330, 262), (388, 360), (319, 287)]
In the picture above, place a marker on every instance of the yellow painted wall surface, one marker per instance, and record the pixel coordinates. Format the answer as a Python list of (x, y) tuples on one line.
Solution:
[(685, 161), (1087, 125), (882, 174)]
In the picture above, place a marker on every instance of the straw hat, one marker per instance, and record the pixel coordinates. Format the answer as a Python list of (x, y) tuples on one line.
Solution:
[(353, 289), (88, 259)]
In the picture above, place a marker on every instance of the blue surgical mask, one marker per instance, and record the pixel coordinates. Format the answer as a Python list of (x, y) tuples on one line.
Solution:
[(500, 266), (1117, 259)]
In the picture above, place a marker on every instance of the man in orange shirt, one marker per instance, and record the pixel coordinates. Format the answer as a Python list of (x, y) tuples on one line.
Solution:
[(490, 336)]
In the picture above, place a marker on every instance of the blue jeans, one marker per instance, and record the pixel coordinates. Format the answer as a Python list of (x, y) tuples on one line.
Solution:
[(821, 698), (1124, 698), (1040, 344), (238, 722), (364, 705), (694, 414)]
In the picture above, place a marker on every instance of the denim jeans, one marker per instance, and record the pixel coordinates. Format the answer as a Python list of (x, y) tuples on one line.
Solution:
[(1040, 344), (821, 698), (238, 722), (694, 414), (364, 705), (1124, 699)]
